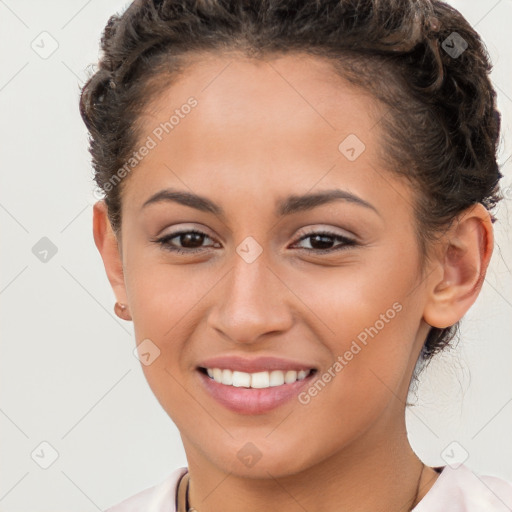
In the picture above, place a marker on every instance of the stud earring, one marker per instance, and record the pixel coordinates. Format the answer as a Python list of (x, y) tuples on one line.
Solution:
[(121, 310)]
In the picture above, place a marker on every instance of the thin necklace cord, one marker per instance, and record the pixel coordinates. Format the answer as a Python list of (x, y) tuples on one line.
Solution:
[(189, 508)]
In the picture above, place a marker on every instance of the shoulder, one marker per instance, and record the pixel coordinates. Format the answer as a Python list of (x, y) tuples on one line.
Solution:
[(158, 498), (466, 491)]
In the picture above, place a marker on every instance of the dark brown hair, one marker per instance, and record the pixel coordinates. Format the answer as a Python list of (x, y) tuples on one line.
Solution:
[(420, 58)]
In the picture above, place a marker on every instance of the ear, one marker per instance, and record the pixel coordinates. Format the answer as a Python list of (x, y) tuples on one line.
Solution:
[(107, 244), (461, 261)]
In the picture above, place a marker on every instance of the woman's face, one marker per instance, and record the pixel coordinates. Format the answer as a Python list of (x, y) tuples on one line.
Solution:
[(256, 281)]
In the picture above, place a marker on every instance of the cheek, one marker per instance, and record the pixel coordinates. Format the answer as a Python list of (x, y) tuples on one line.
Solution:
[(368, 371), (367, 317), (166, 302), (356, 295), (163, 295)]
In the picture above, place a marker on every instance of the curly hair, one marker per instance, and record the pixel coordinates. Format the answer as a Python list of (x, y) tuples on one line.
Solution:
[(420, 58)]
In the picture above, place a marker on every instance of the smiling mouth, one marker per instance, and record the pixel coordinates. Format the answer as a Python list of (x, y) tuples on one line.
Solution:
[(256, 380)]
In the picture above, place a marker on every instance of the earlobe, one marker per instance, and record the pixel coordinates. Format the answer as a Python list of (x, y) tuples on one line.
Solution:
[(107, 244), (463, 262)]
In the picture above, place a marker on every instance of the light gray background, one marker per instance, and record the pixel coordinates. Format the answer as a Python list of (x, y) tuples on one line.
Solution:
[(68, 375)]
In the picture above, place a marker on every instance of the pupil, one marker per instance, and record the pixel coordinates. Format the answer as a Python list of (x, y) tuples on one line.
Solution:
[(325, 241), (188, 237)]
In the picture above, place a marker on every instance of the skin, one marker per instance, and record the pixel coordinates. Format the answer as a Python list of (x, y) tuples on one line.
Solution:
[(263, 130)]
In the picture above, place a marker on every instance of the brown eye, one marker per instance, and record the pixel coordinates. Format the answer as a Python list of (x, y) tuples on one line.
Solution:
[(190, 241), (322, 241)]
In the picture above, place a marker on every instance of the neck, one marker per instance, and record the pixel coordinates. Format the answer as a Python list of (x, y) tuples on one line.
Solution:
[(378, 472)]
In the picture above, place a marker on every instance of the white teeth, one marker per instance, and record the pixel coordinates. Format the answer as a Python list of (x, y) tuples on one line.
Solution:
[(259, 380), (241, 379), (276, 378), (290, 376), (227, 377), (256, 380)]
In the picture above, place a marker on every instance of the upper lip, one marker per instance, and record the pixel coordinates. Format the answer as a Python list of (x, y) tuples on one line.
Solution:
[(257, 364)]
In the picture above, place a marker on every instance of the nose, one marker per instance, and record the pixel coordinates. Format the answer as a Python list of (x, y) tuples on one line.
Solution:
[(251, 301)]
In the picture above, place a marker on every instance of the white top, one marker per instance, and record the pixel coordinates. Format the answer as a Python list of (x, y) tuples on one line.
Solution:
[(459, 490)]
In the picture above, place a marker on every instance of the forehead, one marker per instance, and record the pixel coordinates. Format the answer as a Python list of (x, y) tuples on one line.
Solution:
[(279, 123), (302, 93)]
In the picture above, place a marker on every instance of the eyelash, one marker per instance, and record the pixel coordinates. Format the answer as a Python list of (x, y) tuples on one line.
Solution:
[(165, 241)]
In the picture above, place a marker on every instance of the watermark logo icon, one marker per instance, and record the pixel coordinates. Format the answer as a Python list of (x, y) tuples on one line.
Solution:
[(44, 455), (454, 45), (249, 250), (44, 250), (146, 352), (454, 455), (351, 147), (249, 454), (45, 45)]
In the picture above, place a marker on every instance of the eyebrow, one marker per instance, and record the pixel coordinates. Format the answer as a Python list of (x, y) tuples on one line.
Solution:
[(287, 206)]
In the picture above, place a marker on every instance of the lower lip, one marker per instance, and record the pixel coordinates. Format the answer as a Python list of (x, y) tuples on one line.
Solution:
[(253, 400)]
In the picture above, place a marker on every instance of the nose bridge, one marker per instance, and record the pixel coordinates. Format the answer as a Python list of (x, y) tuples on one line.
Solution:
[(250, 301), (249, 279)]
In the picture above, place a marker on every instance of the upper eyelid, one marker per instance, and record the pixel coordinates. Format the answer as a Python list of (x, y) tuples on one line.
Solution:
[(327, 230), (319, 226)]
